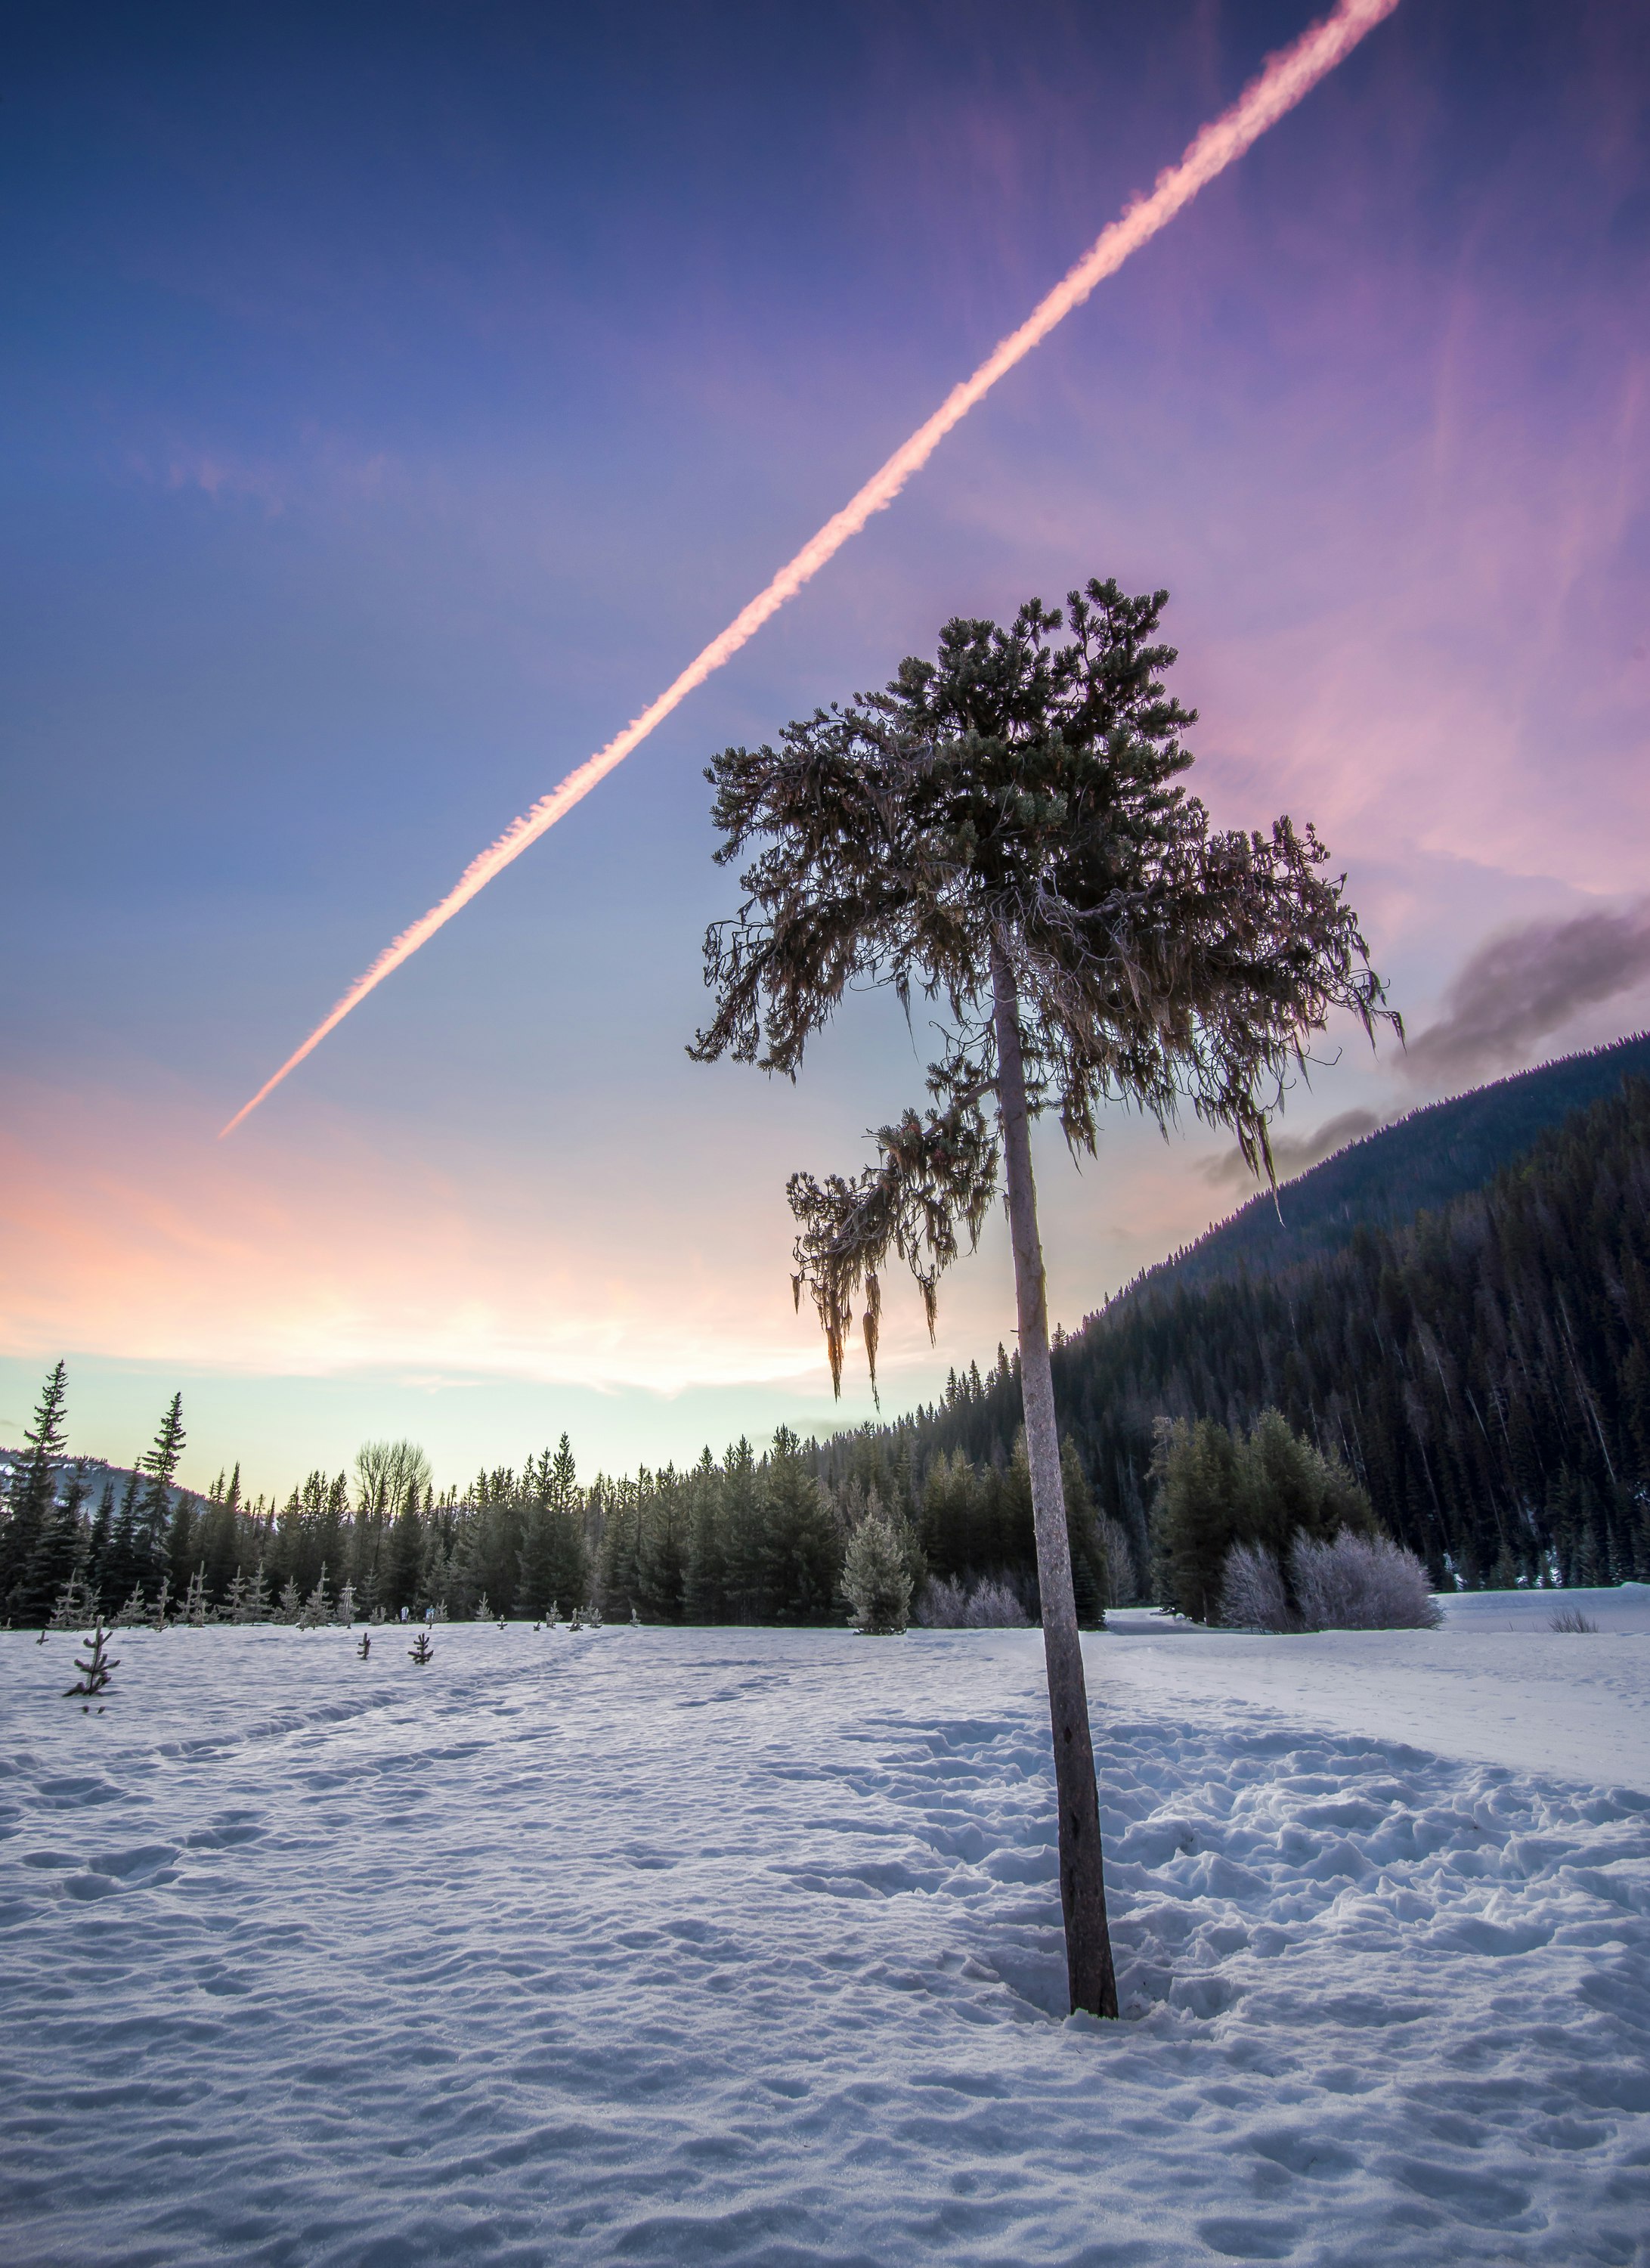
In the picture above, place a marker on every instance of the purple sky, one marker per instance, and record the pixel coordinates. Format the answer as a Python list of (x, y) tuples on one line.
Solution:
[(397, 398)]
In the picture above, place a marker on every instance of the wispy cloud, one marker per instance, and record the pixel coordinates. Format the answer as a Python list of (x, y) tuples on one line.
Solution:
[(1526, 983), (1295, 1153), (316, 470)]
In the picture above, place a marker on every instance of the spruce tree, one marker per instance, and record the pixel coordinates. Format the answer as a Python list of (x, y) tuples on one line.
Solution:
[(98, 1542), (59, 1552), (153, 1518), (123, 1572), (403, 1557), (875, 1579), (33, 1492), (1090, 1588), (749, 1590), (704, 1581), (1003, 831), (803, 1550)]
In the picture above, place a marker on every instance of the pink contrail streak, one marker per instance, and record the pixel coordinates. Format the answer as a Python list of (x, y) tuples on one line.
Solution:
[(1285, 78)]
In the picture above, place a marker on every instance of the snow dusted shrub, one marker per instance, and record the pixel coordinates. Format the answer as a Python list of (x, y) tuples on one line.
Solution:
[(994, 1605), (949, 1604), (944, 1604), (1252, 1590), (1360, 1582), (876, 1581)]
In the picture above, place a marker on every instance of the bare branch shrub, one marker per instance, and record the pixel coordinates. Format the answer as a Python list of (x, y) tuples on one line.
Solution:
[(1571, 1619), (993, 1605), (1252, 1591), (947, 1603), (1360, 1582), (1123, 1582), (943, 1605)]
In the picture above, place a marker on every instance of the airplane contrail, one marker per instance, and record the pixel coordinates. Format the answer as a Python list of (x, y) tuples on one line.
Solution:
[(1285, 78)]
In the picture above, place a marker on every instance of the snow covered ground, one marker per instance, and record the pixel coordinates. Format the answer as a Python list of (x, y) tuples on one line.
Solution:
[(742, 1946)]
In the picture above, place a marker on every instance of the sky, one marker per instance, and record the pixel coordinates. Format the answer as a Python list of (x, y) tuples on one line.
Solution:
[(393, 400)]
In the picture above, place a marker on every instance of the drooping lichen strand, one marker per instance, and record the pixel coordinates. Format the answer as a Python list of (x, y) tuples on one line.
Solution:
[(934, 1178)]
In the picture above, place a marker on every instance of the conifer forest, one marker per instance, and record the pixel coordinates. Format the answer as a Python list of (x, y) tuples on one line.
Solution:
[(1479, 1370)]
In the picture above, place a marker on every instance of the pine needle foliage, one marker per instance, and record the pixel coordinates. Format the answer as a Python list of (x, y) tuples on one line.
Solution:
[(1019, 797)]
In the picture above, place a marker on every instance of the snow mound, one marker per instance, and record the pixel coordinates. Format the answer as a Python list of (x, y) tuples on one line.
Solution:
[(743, 1946)]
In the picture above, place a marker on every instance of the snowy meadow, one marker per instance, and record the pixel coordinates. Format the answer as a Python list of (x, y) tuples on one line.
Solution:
[(744, 1946)]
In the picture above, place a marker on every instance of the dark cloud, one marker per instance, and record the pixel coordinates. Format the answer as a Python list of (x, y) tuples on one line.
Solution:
[(1294, 1153), (1519, 987)]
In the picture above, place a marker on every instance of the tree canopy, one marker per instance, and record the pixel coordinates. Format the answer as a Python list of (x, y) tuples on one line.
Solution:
[(1018, 795)]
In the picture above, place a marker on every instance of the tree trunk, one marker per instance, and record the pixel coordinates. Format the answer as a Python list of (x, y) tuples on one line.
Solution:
[(1093, 1983)]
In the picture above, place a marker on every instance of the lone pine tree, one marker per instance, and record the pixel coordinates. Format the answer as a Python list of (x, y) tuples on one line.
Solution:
[(1002, 831)]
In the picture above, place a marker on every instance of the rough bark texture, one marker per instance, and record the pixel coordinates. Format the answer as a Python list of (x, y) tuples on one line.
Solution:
[(1093, 1983)]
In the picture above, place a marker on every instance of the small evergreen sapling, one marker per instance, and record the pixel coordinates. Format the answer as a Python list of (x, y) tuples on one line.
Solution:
[(74, 1606), (365, 1647), (135, 1613), (421, 1650), (95, 1672), (876, 1580), (195, 1601), (291, 1606)]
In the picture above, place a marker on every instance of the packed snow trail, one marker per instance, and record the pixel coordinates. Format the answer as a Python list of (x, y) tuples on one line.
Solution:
[(743, 1946)]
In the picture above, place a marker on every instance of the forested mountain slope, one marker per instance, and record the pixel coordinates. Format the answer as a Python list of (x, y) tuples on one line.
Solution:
[(1414, 1166), (1484, 1367)]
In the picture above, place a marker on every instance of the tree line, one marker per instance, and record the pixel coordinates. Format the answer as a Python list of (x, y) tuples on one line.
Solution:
[(753, 1537), (1482, 1372)]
